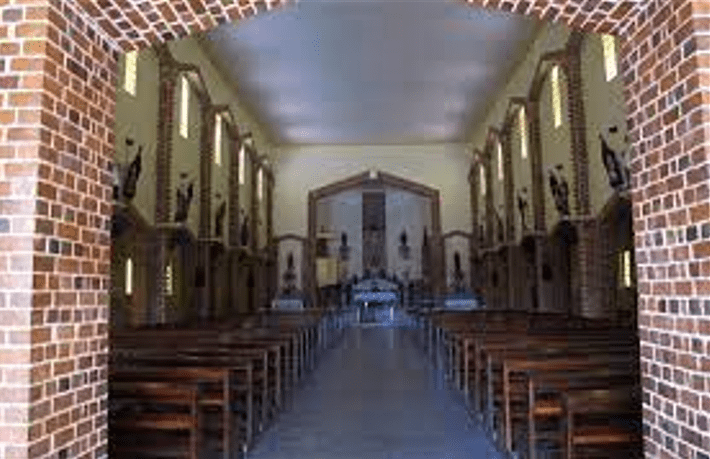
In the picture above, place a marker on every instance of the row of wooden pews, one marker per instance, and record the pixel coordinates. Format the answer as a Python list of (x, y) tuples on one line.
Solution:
[(180, 391), (544, 383)]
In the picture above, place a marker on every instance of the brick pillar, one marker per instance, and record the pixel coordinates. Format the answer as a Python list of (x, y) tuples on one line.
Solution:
[(253, 228), (509, 189), (474, 245), (207, 128), (163, 200), (537, 194), (438, 271), (587, 300), (233, 216)]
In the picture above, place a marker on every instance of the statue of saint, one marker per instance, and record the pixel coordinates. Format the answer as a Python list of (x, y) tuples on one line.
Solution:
[(219, 218), (184, 197), (615, 163), (559, 189), (244, 229), (522, 208)]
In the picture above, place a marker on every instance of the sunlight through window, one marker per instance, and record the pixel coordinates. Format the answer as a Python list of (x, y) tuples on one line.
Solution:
[(522, 122), (242, 165), (499, 159), (218, 139), (556, 98), (129, 276), (131, 70), (169, 279), (610, 63), (184, 105)]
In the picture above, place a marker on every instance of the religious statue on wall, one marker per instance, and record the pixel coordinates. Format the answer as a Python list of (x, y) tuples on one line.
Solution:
[(289, 275), (481, 234), (344, 248), (500, 227), (403, 247), (615, 162), (125, 177), (244, 230), (184, 198), (219, 218), (523, 208), (559, 189), (458, 273)]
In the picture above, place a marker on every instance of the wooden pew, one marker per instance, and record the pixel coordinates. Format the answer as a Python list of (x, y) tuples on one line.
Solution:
[(545, 400), (139, 389)]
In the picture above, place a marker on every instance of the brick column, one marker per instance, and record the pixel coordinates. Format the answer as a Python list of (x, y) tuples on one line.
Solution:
[(168, 76), (233, 216), (509, 188), (207, 128), (474, 246), (537, 192), (586, 298)]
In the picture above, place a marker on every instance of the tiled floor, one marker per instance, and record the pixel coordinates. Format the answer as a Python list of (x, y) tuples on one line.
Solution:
[(374, 397)]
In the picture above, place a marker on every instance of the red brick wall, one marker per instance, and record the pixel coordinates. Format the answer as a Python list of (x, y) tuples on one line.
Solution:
[(57, 97)]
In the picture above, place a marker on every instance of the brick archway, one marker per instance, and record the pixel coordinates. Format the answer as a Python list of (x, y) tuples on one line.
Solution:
[(57, 90)]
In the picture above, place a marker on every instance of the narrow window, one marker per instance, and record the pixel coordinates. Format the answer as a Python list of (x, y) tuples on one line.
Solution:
[(610, 63), (522, 121), (184, 105), (556, 99), (499, 160), (483, 180), (129, 79), (129, 276), (169, 279), (242, 165), (218, 139), (260, 184), (627, 268)]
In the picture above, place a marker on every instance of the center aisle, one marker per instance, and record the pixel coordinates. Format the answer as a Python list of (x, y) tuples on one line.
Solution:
[(374, 396)]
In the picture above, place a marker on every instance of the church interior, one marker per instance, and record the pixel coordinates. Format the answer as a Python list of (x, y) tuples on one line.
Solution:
[(379, 229)]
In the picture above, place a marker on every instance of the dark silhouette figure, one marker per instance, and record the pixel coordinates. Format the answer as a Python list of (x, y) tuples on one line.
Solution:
[(560, 190), (219, 219), (245, 230), (184, 198), (131, 180), (616, 169), (522, 208)]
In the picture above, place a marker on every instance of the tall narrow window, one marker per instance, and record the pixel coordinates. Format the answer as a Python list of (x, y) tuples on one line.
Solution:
[(218, 139), (499, 159), (184, 106), (242, 165), (131, 70), (260, 184), (556, 98), (169, 279), (610, 63), (129, 276), (627, 268), (523, 125), (483, 180)]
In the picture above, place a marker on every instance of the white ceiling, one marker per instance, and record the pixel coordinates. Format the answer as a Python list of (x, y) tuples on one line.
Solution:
[(370, 71)]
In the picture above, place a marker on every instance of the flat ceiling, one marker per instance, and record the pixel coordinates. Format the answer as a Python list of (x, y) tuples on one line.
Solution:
[(370, 71)]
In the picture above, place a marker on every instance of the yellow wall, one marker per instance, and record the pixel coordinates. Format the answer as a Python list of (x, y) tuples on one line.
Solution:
[(556, 149), (300, 169), (604, 106), (136, 117), (550, 38), (522, 175)]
